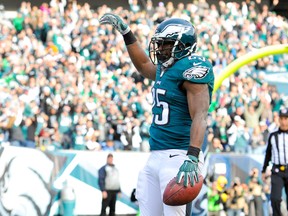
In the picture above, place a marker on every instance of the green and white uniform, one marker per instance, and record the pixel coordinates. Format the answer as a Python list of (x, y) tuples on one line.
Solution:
[(171, 124)]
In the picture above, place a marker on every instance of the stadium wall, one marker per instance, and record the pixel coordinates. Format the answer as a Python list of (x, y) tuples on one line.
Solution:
[(31, 181)]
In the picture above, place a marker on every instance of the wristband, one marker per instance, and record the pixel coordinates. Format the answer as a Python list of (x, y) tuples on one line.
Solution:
[(129, 38), (194, 151)]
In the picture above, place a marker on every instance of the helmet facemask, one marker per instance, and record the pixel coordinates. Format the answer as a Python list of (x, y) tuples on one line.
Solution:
[(161, 49)]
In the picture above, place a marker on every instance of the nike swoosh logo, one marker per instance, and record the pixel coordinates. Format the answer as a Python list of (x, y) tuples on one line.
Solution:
[(170, 156), (196, 64)]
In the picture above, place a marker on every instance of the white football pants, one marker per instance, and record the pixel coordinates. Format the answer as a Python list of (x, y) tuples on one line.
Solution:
[(160, 168)]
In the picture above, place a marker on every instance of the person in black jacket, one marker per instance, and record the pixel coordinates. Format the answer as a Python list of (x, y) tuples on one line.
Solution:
[(277, 153), (109, 184)]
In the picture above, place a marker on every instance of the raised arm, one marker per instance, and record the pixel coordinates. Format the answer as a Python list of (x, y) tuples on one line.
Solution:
[(141, 61), (138, 56)]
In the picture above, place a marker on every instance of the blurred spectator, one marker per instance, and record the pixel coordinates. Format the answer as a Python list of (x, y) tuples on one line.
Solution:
[(216, 145), (92, 143), (18, 22), (237, 200), (221, 132), (277, 101), (134, 6), (238, 136), (264, 130), (215, 206), (256, 194), (109, 145), (79, 138), (222, 189), (150, 10), (252, 113), (239, 110), (258, 142), (30, 126)]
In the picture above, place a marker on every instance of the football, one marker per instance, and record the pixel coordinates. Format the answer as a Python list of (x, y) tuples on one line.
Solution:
[(177, 194)]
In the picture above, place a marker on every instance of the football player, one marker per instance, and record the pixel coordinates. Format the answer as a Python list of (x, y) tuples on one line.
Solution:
[(183, 85)]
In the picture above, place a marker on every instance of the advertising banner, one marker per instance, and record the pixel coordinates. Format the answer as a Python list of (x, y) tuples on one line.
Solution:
[(37, 183)]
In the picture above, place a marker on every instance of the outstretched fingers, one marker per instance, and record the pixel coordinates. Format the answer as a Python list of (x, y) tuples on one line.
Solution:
[(179, 177)]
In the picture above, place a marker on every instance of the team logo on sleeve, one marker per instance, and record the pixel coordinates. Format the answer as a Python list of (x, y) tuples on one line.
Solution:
[(195, 72)]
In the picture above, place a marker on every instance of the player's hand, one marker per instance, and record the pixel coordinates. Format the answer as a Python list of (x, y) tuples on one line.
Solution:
[(189, 170), (116, 22)]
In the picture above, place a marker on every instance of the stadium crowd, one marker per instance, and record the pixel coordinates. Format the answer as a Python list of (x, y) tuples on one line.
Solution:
[(67, 82), (241, 196)]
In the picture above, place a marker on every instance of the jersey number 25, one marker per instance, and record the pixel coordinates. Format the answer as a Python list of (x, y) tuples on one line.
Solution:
[(163, 118)]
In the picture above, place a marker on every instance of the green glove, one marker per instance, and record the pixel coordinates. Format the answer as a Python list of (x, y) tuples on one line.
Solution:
[(189, 170), (116, 22)]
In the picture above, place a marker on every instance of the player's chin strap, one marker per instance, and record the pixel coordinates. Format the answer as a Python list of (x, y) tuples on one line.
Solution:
[(169, 62)]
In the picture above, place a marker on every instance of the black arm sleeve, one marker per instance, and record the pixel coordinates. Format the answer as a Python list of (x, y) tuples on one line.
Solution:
[(267, 154)]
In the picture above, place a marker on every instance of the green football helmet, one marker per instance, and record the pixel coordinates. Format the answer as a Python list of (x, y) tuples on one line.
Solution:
[(174, 39)]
